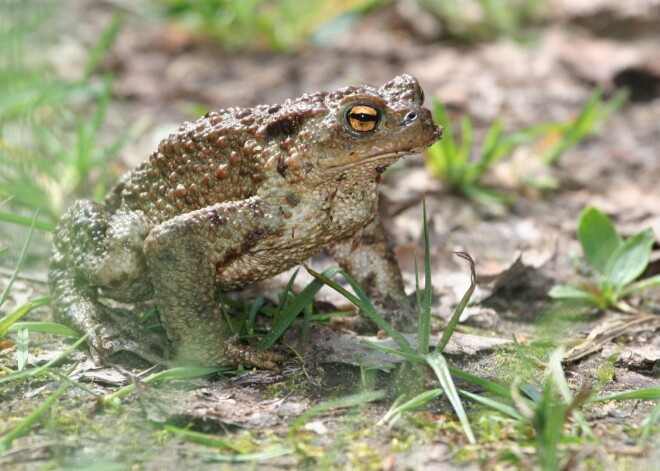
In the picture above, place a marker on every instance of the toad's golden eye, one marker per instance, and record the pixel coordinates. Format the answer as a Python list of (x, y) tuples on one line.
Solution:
[(362, 117)]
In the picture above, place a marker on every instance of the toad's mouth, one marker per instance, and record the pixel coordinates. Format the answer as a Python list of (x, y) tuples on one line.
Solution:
[(356, 160), (347, 162)]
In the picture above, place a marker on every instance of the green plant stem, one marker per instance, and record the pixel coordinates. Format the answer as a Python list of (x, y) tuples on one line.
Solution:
[(449, 330)]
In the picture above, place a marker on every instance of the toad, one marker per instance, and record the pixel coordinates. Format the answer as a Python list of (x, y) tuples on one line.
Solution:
[(235, 197)]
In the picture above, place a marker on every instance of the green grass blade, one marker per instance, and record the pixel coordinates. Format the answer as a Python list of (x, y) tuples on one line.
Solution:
[(462, 161), (22, 344), (43, 368), (647, 394), (492, 404), (524, 361), (420, 309), (439, 365), (285, 294), (398, 407), (411, 356), (333, 404), (576, 130), (548, 421), (25, 221), (43, 327), (491, 151), (55, 376), (19, 263), (641, 285), (489, 386), (104, 43), (205, 439), (306, 327), (365, 305), (181, 372), (292, 311), (617, 101), (486, 195), (20, 429), (10, 319), (451, 325), (649, 424), (572, 403), (424, 326), (252, 314), (249, 457)]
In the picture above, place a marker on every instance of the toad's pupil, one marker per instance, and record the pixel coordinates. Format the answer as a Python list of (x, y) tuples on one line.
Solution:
[(363, 118)]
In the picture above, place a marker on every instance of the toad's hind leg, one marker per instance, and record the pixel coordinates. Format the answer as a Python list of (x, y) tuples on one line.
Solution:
[(183, 255), (92, 250)]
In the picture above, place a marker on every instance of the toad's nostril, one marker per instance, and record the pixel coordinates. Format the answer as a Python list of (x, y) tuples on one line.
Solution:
[(411, 116)]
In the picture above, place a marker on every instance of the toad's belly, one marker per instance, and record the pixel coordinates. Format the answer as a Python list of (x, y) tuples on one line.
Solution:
[(253, 267), (287, 242), (267, 261)]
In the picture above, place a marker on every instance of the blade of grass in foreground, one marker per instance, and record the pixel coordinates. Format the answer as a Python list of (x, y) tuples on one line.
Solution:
[(10, 319), (205, 439), (397, 408), (292, 311), (365, 305), (548, 421), (441, 369), (424, 308), (44, 327), (26, 221), (23, 426), (262, 456), (493, 388), (22, 345), (19, 263), (492, 404), (449, 330), (384, 348), (525, 363), (649, 424), (43, 368), (288, 290), (648, 394)]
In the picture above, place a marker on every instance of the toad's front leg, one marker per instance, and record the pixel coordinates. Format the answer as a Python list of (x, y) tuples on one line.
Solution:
[(370, 261), (183, 255)]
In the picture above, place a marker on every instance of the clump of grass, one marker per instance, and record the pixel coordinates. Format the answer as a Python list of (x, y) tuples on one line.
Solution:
[(279, 26), (435, 360), (42, 163), (479, 20), (461, 167), (561, 137)]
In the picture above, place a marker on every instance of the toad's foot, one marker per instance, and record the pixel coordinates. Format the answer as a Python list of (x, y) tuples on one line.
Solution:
[(117, 337), (246, 355)]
